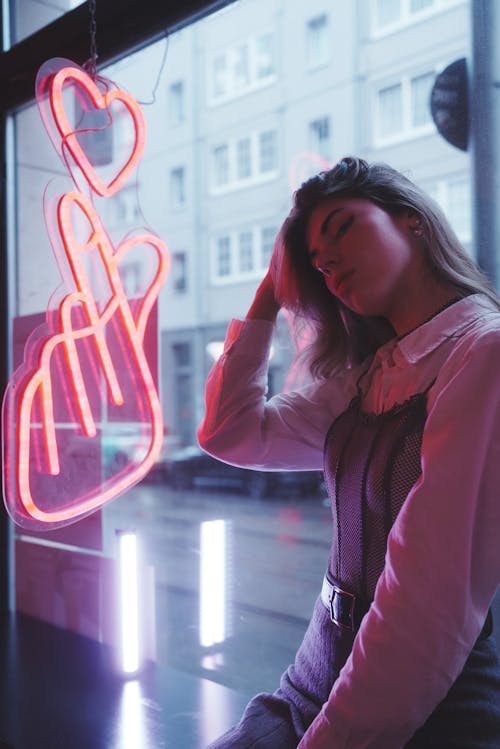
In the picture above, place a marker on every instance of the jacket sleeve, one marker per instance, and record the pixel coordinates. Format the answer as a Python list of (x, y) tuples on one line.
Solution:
[(243, 428), (442, 568)]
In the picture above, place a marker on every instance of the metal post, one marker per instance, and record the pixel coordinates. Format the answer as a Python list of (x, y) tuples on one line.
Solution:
[(485, 133)]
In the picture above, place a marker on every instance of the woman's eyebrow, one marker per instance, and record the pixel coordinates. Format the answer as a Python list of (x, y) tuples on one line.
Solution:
[(326, 220)]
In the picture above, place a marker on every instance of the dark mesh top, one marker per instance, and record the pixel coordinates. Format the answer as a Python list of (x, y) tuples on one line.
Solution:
[(371, 462)]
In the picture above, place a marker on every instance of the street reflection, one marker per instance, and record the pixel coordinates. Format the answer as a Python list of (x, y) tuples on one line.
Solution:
[(216, 712), (232, 600), (213, 582), (133, 730)]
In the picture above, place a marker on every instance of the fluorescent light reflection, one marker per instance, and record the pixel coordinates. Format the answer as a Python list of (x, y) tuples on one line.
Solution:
[(213, 582), (215, 711), (129, 602), (133, 730)]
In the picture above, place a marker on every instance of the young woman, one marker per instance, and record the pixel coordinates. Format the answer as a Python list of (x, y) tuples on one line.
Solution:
[(403, 415)]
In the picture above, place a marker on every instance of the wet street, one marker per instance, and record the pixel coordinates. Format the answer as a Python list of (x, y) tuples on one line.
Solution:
[(233, 597)]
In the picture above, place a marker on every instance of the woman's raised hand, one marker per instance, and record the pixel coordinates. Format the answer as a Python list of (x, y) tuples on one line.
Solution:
[(264, 305)]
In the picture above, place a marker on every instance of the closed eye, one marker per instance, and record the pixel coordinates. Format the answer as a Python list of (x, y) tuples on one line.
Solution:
[(344, 227)]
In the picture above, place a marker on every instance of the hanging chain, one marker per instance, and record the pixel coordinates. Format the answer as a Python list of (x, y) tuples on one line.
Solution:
[(92, 63)]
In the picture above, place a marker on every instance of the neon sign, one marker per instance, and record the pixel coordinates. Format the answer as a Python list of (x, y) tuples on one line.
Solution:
[(85, 376)]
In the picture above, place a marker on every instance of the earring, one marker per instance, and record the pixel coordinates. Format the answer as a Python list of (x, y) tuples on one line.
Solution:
[(418, 229)]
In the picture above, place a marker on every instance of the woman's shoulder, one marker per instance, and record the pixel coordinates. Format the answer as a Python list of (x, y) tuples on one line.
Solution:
[(475, 346), (483, 328)]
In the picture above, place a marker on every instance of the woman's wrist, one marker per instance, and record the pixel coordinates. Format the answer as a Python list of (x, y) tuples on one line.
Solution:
[(264, 305)]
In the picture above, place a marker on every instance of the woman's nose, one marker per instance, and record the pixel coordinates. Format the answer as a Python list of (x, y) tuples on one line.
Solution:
[(325, 260)]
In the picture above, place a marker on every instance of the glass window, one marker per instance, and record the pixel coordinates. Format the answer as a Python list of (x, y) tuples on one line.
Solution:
[(390, 101), (223, 261), (268, 157), (28, 16), (268, 235), (245, 247), (264, 64), (220, 81), (131, 278), (319, 137), (177, 187), (176, 103), (183, 389), (388, 11), (124, 208), (417, 5), (244, 158), (221, 165), (459, 206), (420, 99), (318, 43), (234, 186), (178, 271), (241, 67)]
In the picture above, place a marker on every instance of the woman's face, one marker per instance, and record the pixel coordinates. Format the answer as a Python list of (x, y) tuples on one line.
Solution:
[(370, 259)]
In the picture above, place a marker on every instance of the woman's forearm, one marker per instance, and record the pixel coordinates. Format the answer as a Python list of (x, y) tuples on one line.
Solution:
[(264, 305)]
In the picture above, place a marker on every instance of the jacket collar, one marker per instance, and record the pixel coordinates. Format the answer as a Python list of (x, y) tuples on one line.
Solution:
[(446, 324)]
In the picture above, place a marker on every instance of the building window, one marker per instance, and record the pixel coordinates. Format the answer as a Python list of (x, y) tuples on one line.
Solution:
[(390, 102), (178, 272), (387, 12), (223, 259), (453, 194), (319, 137), (177, 187), (244, 158), (220, 76), (241, 68), (403, 108), (390, 14), (131, 276), (420, 99), (124, 208), (176, 103), (418, 5), (245, 252), (267, 151), (221, 166), (267, 237), (245, 161), (318, 47), (183, 385), (459, 207), (264, 57)]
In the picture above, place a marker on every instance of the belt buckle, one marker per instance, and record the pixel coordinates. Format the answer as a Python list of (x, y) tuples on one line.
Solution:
[(339, 601)]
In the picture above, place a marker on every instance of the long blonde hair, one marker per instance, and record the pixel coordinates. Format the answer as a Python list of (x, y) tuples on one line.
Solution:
[(341, 337)]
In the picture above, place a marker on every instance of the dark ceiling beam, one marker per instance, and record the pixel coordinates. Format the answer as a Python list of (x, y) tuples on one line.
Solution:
[(123, 26)]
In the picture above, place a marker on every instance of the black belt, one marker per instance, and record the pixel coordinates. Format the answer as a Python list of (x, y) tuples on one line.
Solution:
[(346, 610)]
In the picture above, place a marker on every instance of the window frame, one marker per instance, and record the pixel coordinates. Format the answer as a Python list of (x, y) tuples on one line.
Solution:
[(407, 17), (257, 175), (408, 131), (259, 258), (118, 34), (311, 62), (256, 82)]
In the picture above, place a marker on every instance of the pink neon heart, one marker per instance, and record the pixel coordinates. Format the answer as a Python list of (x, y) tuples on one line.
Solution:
[(100, 101)]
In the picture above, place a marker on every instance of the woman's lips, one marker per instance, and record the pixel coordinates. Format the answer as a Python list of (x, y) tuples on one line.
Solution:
[(342, 279)]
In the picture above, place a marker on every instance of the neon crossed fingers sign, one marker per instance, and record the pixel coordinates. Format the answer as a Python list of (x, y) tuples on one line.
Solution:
[(85, 382)]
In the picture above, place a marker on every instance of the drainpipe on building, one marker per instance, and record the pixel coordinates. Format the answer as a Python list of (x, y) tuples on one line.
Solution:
[(484, 91)]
